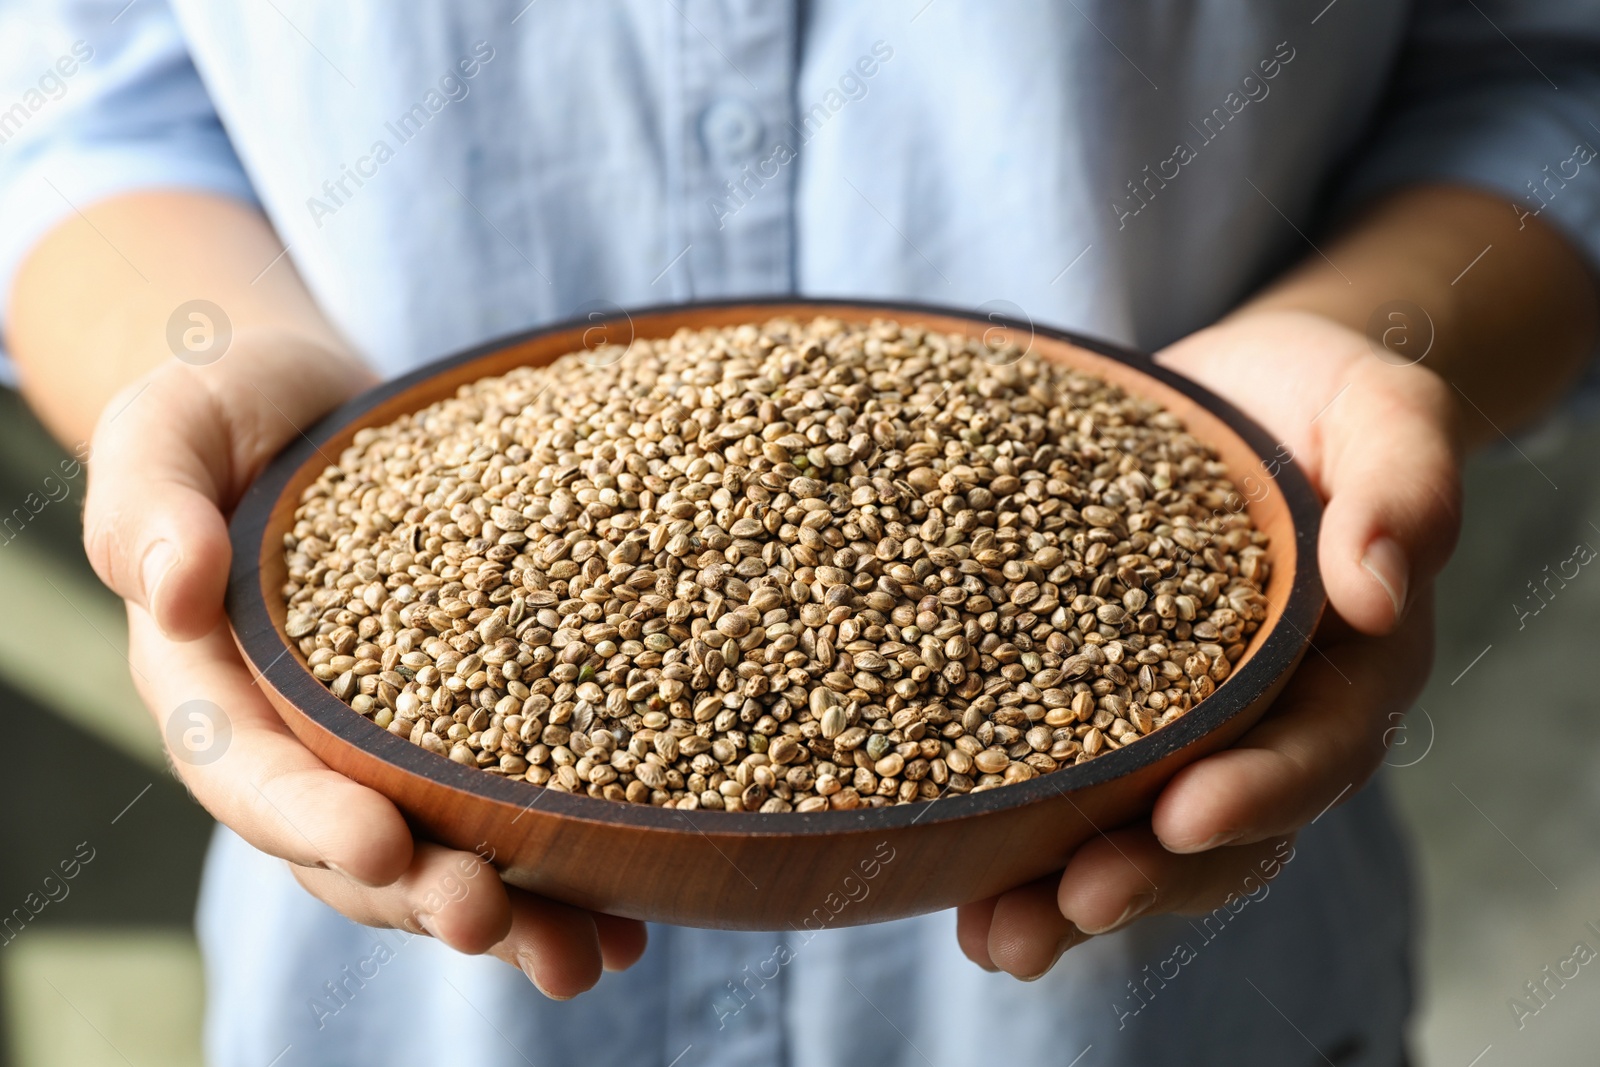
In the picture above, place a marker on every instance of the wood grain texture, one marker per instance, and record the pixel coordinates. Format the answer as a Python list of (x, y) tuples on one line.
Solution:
[(747, 870)]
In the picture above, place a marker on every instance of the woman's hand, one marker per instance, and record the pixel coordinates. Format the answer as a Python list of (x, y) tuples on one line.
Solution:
[(1379, 442), (170, 456)]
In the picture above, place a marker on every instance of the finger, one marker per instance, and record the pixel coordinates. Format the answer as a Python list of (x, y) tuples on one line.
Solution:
[(152, 527), (556, 945), (1027, 931), (1125, 875), (173, 451), (1394, 496), (1322, 740), (454, 896), (622, 941), (459, 899), (264, 784), (972, 931)]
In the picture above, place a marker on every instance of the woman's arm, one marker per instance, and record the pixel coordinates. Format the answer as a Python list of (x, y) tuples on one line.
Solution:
[(91, 304), (1512, 306)]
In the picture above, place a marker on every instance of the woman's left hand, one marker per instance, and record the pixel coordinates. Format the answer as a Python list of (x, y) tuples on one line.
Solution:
[(1379, 443)]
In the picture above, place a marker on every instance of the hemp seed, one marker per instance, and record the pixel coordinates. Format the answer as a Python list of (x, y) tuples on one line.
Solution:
[(789, 566)]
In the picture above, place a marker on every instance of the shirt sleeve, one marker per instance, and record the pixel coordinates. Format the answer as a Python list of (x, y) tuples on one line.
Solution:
[(97, 98), (1501, 95)]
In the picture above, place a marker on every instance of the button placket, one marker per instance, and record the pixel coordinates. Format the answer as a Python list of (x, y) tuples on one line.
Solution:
[(736, 207)]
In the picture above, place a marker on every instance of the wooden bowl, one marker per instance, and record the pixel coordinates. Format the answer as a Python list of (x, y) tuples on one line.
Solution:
[(748, 871)]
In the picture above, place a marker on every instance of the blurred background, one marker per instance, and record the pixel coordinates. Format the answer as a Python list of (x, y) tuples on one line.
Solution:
[(1494, 773)]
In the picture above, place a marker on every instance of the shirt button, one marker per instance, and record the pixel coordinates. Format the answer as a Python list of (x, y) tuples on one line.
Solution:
[(731, 128)]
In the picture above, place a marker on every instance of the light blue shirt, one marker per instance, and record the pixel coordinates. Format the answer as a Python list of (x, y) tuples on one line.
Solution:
[(442, 173)]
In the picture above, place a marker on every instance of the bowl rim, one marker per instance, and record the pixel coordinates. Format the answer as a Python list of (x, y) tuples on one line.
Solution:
[(262, 643)]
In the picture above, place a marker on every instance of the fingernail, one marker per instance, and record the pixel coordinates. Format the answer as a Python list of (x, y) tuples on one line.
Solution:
[(527, 969), (158, 560), (1215, 841), (1065, 943), (1136, 907), (426, 922), (1387, 564)]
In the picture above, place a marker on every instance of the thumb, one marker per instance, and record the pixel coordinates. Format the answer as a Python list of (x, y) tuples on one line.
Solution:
[(172, 453), (1391, 471), (153, 526)]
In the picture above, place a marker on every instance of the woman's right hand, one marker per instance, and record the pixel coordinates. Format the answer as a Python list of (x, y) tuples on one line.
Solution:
[(170, 457)]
